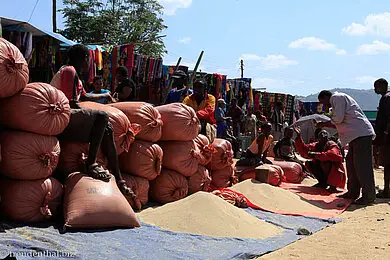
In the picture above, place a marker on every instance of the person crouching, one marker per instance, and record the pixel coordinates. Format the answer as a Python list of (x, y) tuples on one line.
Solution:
[(326, 162)]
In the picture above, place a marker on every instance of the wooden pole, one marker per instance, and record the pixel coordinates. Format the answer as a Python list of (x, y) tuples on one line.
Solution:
[(242, 69), (193, 76), (171, 80), (54, 16)]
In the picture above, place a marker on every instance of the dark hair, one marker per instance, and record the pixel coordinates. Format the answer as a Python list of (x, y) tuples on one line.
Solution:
[(97, 77), (288, 129), (201, 83), (317, 132), (77, 53), (324, 93), (122, 71), (381, 83), (266, 125)]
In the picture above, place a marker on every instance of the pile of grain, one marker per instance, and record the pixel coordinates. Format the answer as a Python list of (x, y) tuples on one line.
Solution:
[(208, 215), (273, 198)]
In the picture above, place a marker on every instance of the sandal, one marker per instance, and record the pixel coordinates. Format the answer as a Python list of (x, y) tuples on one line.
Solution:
[(98, 172)]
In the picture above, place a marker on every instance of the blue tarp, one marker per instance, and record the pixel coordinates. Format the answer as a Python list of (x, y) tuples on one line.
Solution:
[(149, 242)]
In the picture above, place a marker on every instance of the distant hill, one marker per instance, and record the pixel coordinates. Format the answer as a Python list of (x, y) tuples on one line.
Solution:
[(367, 99)]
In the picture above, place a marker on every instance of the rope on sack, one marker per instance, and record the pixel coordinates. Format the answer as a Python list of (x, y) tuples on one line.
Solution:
[(44, 209)]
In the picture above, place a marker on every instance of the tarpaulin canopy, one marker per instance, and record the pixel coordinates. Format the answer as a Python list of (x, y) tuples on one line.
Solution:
[(22, 26)]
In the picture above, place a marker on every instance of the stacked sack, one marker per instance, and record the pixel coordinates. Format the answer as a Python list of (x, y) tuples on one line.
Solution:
[(33, 114), (183, 161), (221, 165), (142, 162)]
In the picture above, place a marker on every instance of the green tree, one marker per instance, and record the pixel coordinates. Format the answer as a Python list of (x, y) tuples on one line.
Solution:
[(116, 22)]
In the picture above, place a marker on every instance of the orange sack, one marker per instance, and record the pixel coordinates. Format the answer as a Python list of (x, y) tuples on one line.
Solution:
[(146, 116), (73, 156), (124, 132), (206, 149), (180, 122), (275, 175), (144, 159), (13, 69), (223, 157), (293, 172), (169, 186), (28, 156), (182, 157), (39, 108), (140, 186), (200, 181), (30, 201), (90, 203), (223, 178)]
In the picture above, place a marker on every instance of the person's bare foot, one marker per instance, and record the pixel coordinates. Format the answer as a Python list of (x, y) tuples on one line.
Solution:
[(332, 190)]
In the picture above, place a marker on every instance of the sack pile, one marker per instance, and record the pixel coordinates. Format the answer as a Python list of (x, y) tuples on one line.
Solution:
[(221, 165), (34, 114)]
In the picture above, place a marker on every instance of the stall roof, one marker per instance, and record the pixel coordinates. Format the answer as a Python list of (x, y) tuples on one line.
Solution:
[(22, 26)]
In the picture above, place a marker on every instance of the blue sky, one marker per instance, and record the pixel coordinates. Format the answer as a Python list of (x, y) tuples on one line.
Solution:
[(297, 47)]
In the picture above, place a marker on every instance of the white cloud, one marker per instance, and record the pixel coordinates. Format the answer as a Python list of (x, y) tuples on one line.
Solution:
[(171, 6), (250, 57), (270, 61), (315, 44), (185, 40), (366, 80), (372, 49), (276, 61), (341, 52), (374, 24)]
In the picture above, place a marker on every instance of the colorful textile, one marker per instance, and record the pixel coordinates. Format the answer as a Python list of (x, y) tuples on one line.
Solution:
[(205, 110)]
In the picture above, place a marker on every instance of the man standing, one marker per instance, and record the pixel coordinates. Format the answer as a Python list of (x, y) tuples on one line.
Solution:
[(179, 91), (277, 119), (220, 118), (382, 127), (356, 130), (236, 114)]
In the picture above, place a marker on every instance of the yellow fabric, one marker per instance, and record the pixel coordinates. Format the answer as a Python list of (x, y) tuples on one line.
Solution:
[(254, 148), (190, 101)]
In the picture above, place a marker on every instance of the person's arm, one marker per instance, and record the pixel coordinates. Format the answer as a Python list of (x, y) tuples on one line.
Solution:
[(302, 148), (331, 155), (339, 106), (94, 97), (208, 112), (125, 94)]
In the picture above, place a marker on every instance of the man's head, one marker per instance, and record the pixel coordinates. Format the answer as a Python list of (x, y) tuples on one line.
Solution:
[(122, 73), (200, 87), (317, 132), (323, 137), (266, 129), (98, 84), (289, 132), (179, 79), (234, 102), (221, 103), (78, 57), (324, 97), (381, 86)]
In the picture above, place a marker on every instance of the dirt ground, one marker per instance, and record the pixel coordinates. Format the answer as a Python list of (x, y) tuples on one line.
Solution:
[(364, 233)]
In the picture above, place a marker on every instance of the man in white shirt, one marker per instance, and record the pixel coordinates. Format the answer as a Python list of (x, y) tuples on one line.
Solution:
[(356, 130)]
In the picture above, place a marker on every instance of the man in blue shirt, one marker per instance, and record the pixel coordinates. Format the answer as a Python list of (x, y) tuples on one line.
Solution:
[(178, 92), (98, 89)]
